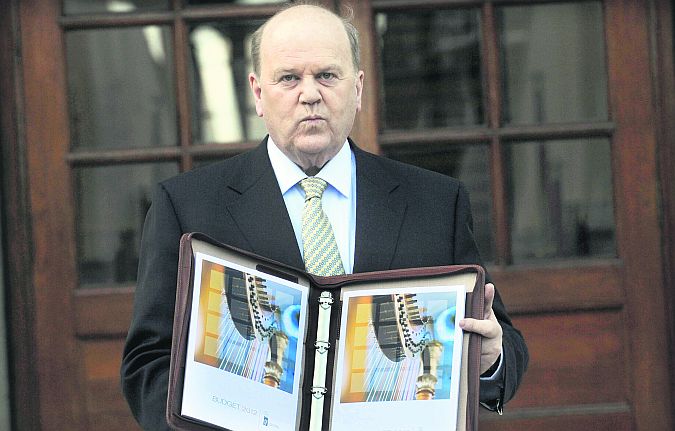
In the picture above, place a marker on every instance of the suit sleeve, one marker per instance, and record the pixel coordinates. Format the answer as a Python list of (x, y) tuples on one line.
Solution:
[(493, 393), (147, 352)]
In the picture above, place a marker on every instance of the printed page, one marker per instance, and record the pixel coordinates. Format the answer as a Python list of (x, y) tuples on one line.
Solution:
[(398, 359), (245, 346)]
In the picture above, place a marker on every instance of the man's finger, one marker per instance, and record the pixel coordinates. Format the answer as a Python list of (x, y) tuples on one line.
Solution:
[(489, 298), (486, 328)]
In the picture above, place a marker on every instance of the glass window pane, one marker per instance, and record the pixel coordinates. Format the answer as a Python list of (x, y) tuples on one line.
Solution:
[(121, 88), (553, 63), (223, 107), (111, 206), (430, 68), (561, 199), (112, 6), (471, 165)]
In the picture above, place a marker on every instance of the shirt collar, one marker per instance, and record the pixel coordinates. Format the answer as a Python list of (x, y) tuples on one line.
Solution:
[(337, 172)]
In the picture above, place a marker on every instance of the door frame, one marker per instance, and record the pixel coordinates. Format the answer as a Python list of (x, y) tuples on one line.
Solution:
[(23, 381), (663, 73), (45, 382)]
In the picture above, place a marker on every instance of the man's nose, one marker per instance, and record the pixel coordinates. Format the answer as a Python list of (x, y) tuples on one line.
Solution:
[(309, 91)]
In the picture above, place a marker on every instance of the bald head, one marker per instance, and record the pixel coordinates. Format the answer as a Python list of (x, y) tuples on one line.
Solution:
[(299, 15)]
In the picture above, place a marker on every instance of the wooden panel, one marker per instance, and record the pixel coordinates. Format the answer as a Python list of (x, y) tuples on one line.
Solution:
[(606, 422), (528, 290), (103, 312), (575, 359), (105, 405)]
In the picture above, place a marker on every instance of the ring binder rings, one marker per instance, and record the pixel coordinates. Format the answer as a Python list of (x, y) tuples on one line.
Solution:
[(322, 346), (259, 345)]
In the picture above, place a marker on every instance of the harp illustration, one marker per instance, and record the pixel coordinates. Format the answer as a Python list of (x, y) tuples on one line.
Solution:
[(256, 318), (404, 334)]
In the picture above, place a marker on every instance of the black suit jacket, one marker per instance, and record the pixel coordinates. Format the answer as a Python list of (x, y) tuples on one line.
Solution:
[(405, 217)]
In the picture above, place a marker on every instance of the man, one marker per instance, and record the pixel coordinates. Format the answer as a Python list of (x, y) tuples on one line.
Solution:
[(384, 214)]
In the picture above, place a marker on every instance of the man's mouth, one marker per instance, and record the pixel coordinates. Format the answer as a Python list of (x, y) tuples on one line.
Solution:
[(312, 119)]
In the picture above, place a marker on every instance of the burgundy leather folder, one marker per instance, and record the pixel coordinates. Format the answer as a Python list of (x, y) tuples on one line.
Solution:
[(405, 319)]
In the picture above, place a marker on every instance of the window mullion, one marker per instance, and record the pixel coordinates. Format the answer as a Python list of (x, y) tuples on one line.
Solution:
[(182, 90), (492, 82)]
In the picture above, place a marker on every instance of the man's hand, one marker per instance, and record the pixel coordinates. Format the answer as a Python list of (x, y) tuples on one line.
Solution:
[(489, 328)]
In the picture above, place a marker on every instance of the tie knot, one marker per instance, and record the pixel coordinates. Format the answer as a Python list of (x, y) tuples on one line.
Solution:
[(313, 187)]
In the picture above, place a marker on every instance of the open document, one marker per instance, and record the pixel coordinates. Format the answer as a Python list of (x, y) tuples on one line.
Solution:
[(261, 346)]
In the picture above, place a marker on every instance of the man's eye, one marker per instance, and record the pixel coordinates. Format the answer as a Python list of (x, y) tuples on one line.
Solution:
[(288, 78), (326, 76)]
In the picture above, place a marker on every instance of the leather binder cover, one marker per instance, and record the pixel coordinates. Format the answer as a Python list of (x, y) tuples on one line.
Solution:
[(467, 419)]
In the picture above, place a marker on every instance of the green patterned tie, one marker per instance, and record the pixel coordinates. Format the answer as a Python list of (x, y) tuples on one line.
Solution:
[(320, 250)]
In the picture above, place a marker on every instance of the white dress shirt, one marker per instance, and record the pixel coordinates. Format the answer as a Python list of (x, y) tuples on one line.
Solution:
[(338, 200)]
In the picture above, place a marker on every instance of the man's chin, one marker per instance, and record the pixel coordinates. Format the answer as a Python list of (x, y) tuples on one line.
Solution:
[(314, 145), (314, 150)]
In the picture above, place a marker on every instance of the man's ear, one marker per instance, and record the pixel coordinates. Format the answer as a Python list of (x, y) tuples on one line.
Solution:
[(255, 88), (359, 89)]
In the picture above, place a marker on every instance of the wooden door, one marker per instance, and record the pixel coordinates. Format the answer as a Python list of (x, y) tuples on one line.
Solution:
[(115, 96), (519, 99)]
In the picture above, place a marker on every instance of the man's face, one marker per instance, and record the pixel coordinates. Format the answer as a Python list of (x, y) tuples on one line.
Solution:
[(308, 92)]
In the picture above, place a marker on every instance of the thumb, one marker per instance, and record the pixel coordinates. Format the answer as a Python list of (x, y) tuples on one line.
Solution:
[(489, 298)]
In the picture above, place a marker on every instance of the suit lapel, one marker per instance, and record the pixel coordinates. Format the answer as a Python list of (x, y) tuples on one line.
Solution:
[(380, 208), (260, 211)]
